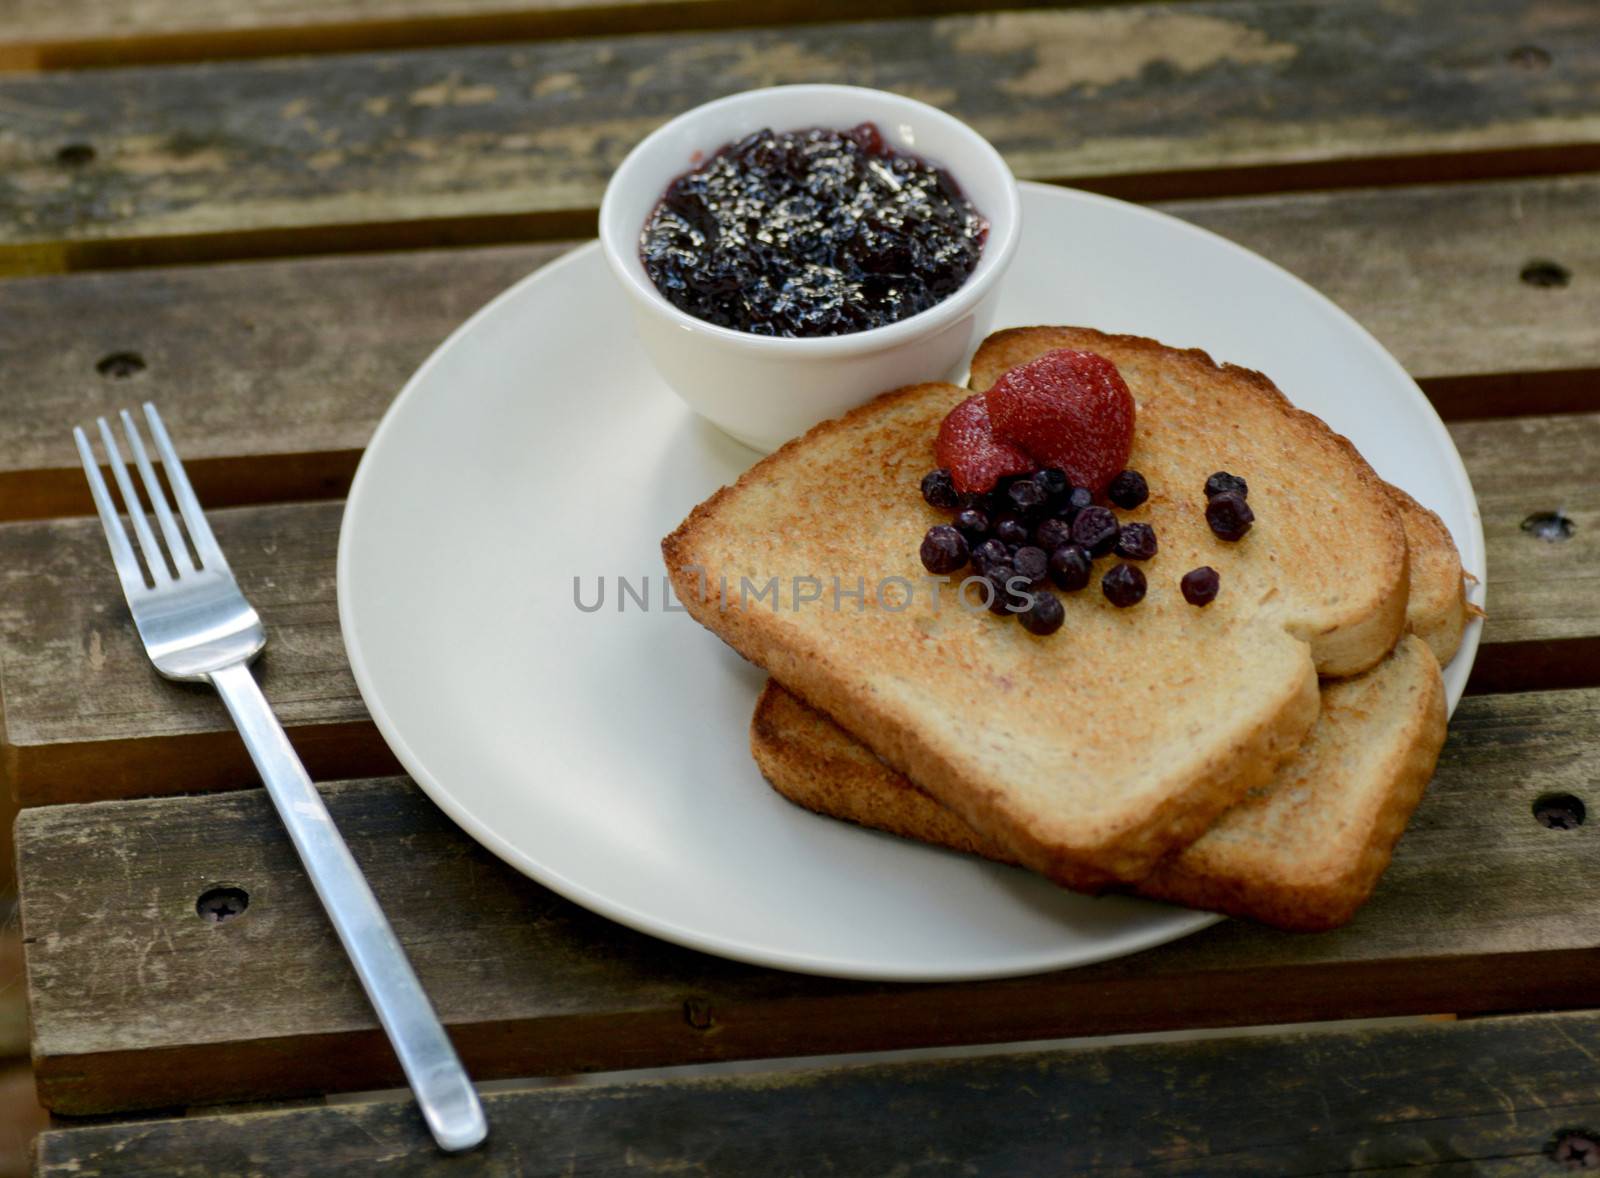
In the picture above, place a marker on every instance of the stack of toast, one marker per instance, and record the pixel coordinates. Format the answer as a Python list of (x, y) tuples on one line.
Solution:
[(1259, 756)]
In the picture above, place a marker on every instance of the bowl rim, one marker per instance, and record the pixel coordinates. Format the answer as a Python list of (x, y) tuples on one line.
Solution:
[(999, 246)]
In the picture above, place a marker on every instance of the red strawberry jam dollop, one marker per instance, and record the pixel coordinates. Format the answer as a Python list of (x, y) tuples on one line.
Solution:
[(1067, 409), (967, 446)]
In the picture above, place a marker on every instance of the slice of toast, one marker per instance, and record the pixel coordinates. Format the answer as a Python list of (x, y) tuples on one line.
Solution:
[(1348, 631), (1304, 852), (1091, 754)]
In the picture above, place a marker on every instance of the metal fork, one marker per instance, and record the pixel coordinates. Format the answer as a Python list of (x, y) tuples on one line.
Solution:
[(197, 626)]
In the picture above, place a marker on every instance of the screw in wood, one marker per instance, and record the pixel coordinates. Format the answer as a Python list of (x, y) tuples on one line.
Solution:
[(1549, 525), (220, 904), (1575, 1149), (1559, 811), (1548, 275), (120, 365), (1529, 57)]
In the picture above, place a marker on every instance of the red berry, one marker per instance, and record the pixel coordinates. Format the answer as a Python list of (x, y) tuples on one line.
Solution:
[(1067, 409), (976, 459)]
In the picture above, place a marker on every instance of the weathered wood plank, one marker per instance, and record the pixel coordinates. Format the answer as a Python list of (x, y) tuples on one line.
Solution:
[(86, 717), (492, 143), (104, 683), (73, 34), (1537, 481), (271, 376), (137, 1002), (1489, 1097), (274, 374)]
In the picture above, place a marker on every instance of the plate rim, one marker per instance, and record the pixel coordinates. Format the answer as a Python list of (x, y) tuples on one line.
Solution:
[(1183, 922)]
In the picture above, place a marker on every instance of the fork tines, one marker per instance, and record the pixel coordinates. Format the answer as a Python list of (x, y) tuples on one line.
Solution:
[(164, 564)]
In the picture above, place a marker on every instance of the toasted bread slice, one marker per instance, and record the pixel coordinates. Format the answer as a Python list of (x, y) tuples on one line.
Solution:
[(1303, 853), (1092, 754), (1436, 611), (1348, 630)]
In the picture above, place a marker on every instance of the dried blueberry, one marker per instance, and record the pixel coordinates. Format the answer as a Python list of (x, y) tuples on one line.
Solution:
[(978, 499), (1026, 495), (1011, 530), (974, 523), (1222, 482), (944, 549), (1031, 563), (1128, 489), (988, 553), (1136, 542), (1096, 529), (1077, 499), (1007, 584), (1229, 515), (1200, 585), (1123, 585), (939, 491), (1044, 615), (1069, 567), (1052, 481), (1052, 534)]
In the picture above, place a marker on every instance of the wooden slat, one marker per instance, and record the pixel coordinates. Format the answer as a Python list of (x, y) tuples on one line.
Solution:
[(73, 34), (86, 717), (136, 1001), (90, 716), (273, 374), (495, 143), (1544, 593), (1490, 1097)]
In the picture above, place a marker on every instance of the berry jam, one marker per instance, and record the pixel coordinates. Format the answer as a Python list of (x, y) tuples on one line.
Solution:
[(811, 233)]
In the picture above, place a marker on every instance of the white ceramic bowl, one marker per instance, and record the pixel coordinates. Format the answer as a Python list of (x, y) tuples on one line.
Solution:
[(765, 390)]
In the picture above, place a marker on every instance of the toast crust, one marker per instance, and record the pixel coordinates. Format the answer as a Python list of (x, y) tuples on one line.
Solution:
[(990, 720)]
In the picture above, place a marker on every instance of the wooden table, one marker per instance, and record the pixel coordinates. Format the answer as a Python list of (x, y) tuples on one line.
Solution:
[(267, 246)]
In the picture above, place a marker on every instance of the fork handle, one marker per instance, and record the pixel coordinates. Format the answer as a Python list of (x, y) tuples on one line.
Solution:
[(444, 1093)]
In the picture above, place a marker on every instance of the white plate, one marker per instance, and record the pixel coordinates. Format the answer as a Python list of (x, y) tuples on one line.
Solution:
[(606, 754)]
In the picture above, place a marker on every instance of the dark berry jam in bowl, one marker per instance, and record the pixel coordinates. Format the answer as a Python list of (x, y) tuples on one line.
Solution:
[(754, 373), (811, 232)]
